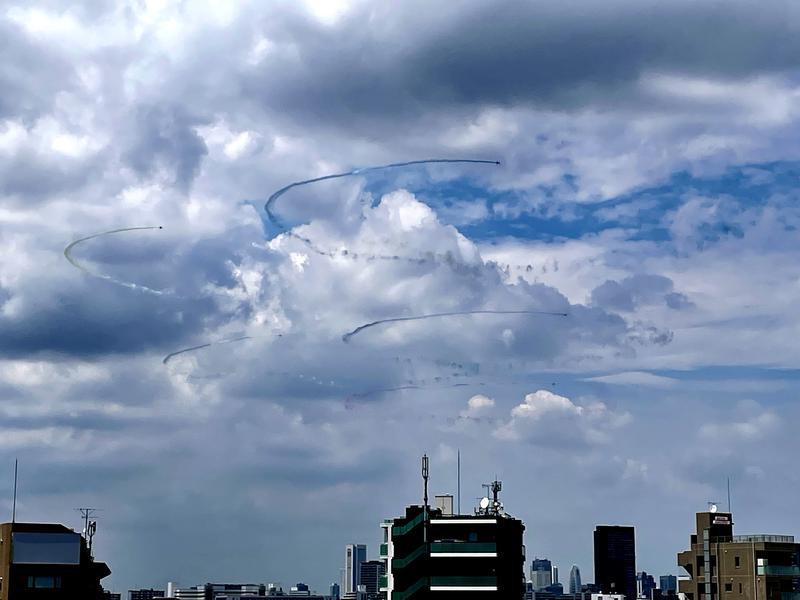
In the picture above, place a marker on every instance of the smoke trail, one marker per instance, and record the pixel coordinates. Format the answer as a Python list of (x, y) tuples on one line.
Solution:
[(172, 355), (346, 337), (274, 197), (77, 265)]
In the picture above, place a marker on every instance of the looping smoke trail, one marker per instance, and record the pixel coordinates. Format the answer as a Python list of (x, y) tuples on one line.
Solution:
[(359, 171), (77, 265), (346, 337)]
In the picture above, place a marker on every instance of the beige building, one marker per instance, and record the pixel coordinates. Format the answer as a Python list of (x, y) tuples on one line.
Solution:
[(723, 566)]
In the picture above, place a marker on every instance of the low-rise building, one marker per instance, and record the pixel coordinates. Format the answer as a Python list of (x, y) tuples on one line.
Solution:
[(45, 560), (723, 566)]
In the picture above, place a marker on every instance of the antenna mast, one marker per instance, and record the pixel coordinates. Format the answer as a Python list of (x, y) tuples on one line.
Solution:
[(14, 502), (425, 499), (459, 481), (729, 494)]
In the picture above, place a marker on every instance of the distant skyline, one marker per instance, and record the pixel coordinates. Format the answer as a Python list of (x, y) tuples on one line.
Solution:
[(187, 373)]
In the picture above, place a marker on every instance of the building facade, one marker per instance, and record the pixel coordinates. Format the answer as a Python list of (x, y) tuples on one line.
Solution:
[(371, 573), (354, 556), (41, 560), (668, 584), (615, 560), (575, 580), (645, 584), (146, 594), (723, 566), (541, 573), (450, 557)]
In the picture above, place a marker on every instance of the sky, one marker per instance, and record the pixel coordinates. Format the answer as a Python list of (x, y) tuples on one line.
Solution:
[(647, 188)]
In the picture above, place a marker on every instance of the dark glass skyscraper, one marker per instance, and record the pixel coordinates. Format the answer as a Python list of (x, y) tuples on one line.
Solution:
[(668, 584), (615, 560)]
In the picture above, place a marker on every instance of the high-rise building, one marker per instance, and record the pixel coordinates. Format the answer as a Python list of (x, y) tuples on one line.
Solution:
[(645, 584), (46, 560), (668, 585), (335, 591), (354, 555), (371, 573), (452, 557), (555, 574), (723, 566), (541, 573), (575, 580), (107, 595), (145, 594), (615, 560)]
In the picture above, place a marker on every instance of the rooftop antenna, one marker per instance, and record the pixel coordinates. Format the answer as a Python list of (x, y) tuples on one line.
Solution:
[(496, 487), (459, 482), (425, 473), (14, 501), (87, 513), (729, 494)]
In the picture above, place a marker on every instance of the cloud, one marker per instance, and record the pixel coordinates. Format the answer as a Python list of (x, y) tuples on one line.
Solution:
[(547, 419), (752, 429), (638, 290), (638, 378), (477, 406)]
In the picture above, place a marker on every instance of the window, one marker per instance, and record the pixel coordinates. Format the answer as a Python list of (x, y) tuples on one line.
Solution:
[(43, 582), (728, 587), (737, 562), (740, 588)]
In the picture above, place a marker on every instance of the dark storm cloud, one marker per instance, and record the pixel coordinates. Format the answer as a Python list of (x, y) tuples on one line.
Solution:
[(109, 320), (412, 59)]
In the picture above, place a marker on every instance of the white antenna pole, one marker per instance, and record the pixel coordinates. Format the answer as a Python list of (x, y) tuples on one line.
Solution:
[(459, 482)]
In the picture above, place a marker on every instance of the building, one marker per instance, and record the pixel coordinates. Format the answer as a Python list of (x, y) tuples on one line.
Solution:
[(723, 566), (111, 595), (615, 560), (645, 584), (555, 575), (575, 580), (220, 591), (354, 555), (43, 560), (668, 584), (541, 574), (430, 554), (371, 573), (335, 591), (145, 594)]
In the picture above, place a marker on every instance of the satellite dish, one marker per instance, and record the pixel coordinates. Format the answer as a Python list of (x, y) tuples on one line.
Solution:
[(712, 507), (485, 503)]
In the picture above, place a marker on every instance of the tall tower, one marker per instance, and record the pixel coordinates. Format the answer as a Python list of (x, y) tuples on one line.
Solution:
[(354, 555), (541, 573), (575, 580), (615, 560)]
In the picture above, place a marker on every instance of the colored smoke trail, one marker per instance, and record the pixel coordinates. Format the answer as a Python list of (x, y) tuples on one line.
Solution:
[(77, 265), (359, 171), (347, 336)]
